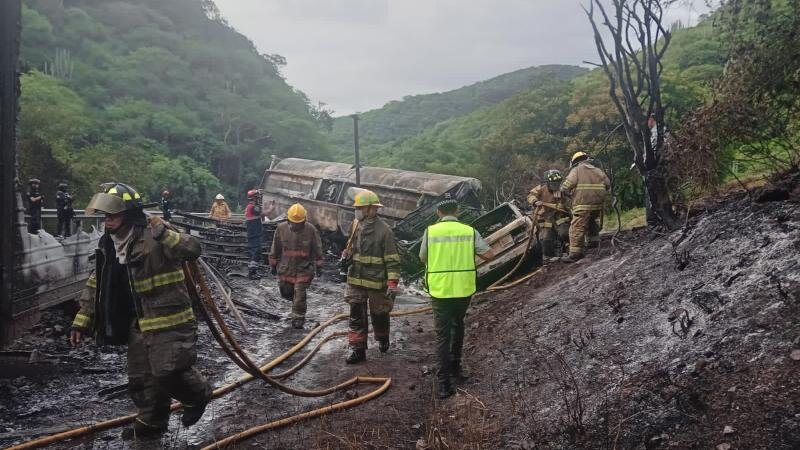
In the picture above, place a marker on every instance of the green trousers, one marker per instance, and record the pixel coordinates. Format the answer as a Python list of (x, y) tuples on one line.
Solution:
[(448, 317)]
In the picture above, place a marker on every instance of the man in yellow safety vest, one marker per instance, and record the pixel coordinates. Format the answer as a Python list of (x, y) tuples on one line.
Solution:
[(448, 250)]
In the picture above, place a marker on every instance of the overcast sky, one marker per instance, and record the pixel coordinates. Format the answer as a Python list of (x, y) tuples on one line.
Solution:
[(356, 55)]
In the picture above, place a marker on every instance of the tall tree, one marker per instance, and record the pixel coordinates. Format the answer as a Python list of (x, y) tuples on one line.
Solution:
[(631, 41)]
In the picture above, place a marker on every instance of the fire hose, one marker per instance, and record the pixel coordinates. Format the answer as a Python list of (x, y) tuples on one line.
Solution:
[(232, 349)]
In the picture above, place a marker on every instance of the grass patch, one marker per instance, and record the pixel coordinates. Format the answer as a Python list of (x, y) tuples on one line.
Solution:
[(630, 218)]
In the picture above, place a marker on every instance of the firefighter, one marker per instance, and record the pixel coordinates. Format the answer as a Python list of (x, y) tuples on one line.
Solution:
[(253, 215), (448, 249), (296, 256), (219, 209), (371, 278), (587, 186), (35, 201), (64, 210), (136, 296), (551, 213), (166, 205)]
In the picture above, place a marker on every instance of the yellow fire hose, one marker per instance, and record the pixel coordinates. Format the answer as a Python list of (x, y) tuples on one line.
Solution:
[(225, 389)]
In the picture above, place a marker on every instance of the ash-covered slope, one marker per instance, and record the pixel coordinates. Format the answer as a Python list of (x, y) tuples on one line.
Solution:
[(594, 355)]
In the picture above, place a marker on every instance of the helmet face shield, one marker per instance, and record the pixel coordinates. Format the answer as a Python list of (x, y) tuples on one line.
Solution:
[(105, 203)]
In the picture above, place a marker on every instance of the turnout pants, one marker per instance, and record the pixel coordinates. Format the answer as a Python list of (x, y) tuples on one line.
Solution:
[(375, 301), (548, 235), (585, 227), (448, 316), (296, 292), (160, 368)]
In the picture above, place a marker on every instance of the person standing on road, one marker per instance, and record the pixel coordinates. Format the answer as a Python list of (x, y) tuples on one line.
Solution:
[(255, 230), (551, 213), (448, 249), (64, 210), (371, 278), (587, 186), (296, 256), (35, 201), (219, 209), (136, 296), (166, 205)]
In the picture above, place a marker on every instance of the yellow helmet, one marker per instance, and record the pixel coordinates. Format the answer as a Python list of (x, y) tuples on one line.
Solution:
[(578, 155), (366, 198), (296, 213)]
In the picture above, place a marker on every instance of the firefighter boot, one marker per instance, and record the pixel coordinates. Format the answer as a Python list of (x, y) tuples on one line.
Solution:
[(572, 257), (383, 345), (298, 323), (140, 430), (548, 248), (457, 371), (356, 356), (445, 388), (191, 414)]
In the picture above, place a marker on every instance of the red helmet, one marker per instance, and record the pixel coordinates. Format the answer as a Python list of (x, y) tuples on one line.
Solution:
[(166, 193), (251, 194)]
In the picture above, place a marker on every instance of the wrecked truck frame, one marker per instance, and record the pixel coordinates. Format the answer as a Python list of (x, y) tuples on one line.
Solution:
[(410, 199), (326, 190)]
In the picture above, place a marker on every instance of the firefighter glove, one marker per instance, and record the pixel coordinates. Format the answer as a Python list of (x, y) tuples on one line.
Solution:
[(157, 226)]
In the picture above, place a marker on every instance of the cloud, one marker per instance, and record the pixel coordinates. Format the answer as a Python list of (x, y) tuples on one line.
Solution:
[(357, 55)]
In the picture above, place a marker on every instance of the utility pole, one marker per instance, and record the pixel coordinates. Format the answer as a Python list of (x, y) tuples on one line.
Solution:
[(355, 144)]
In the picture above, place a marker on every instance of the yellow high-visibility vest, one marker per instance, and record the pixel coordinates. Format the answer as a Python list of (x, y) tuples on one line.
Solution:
[(450, 268)]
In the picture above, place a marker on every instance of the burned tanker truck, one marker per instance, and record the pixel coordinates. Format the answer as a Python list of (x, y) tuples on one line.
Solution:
[(326, 190)]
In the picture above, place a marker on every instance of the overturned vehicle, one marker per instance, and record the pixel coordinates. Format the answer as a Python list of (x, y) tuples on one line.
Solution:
[(327, 190)]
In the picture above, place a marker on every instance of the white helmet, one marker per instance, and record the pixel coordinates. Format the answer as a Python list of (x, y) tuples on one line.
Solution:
[(219, 197)]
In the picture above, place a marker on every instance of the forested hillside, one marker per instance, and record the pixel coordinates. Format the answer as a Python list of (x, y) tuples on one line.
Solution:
[(509, 144), (161, 94), (402, 119)]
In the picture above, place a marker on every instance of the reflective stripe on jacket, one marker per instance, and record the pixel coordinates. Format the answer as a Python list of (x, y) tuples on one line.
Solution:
[(156, 282), (588, 187), (450, 267), (547, 213), (296, 254), (375, 257)]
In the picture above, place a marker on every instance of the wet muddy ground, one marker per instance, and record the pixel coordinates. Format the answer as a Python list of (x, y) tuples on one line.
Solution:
[(677, 340), (66, 389)]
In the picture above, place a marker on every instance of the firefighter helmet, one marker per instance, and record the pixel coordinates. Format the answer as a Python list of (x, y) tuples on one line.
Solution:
[(578, 157), (553, 176), (366, 198), (251, 194), (296, 213), (115, 198), (219, 197)]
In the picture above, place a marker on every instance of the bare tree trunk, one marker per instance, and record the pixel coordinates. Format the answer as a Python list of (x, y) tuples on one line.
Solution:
[(632, 64)]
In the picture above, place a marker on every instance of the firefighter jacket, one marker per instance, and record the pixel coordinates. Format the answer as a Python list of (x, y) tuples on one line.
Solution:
[(374, 253), (296, 254), (149, 288), (220, 211), (548, 213), (588, 186)]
